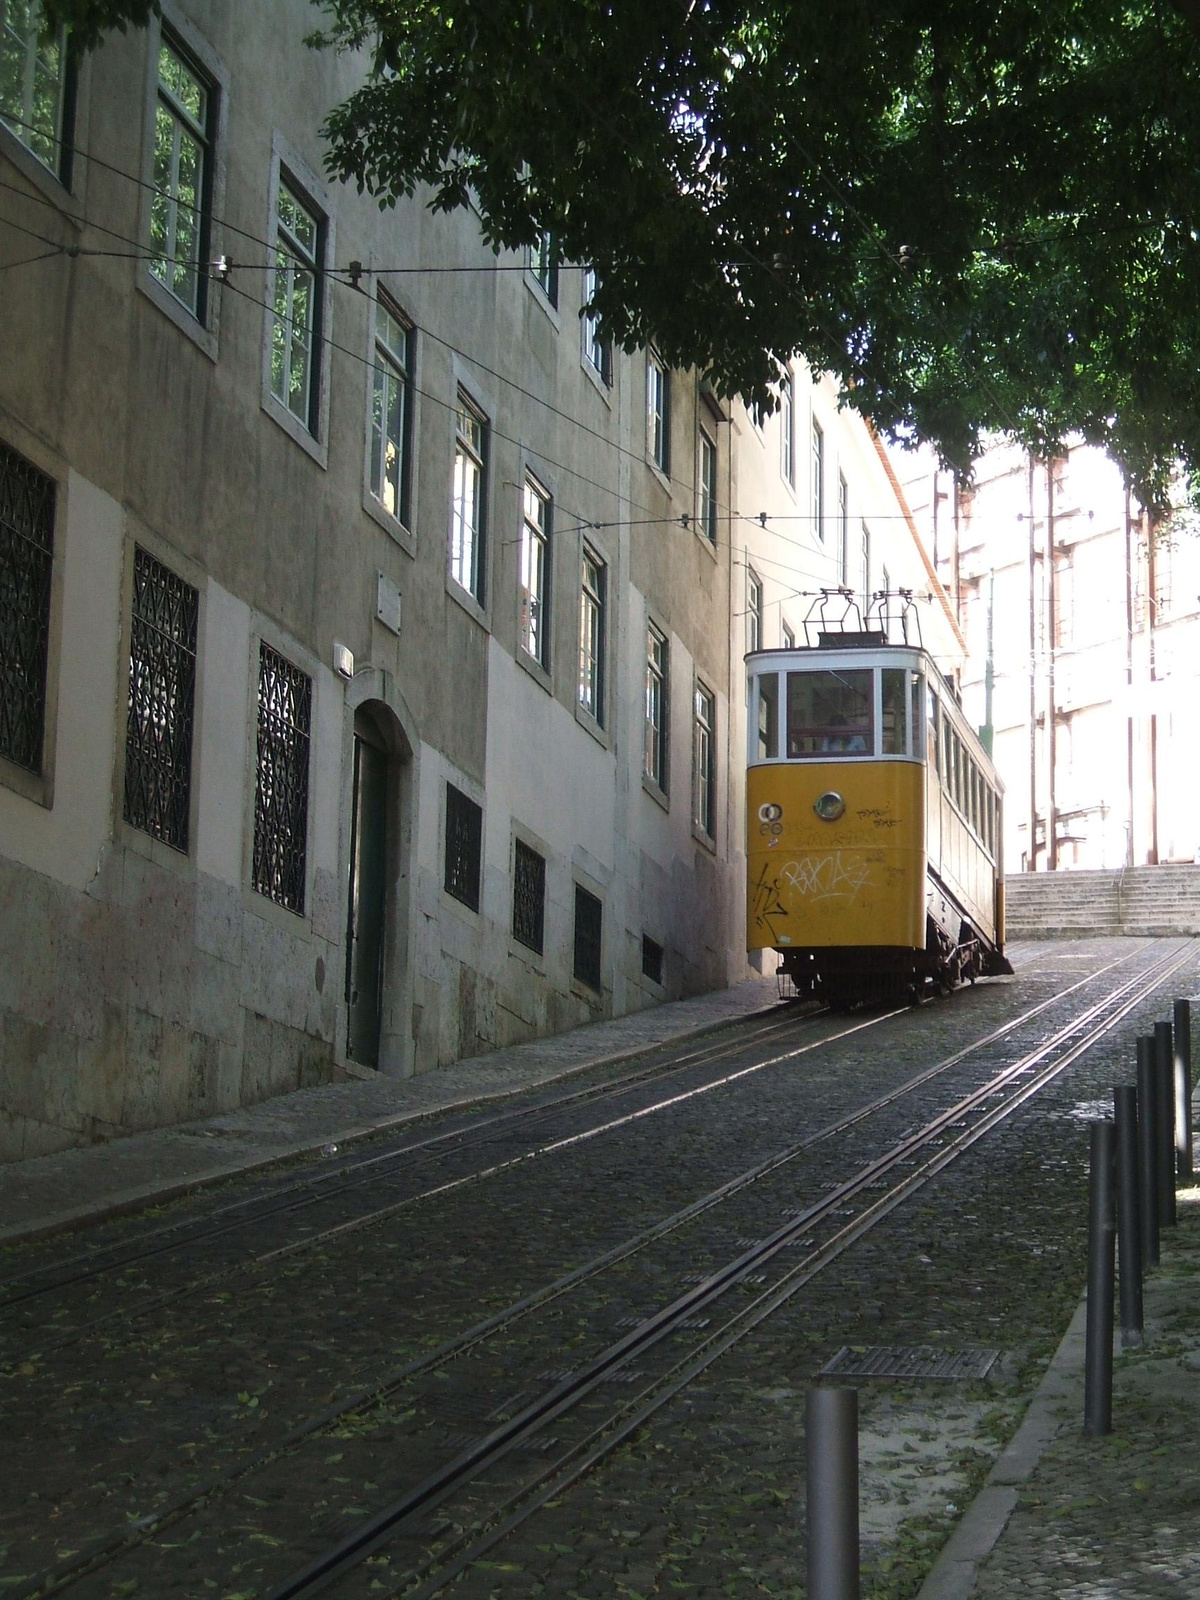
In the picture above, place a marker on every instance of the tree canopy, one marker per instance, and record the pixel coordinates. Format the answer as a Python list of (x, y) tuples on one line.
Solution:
[(980, 216)]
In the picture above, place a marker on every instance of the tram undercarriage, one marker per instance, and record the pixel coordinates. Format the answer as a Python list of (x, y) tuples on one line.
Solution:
[(848, 975)]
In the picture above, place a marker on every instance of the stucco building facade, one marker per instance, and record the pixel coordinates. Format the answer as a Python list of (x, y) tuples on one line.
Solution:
[(371, 632)]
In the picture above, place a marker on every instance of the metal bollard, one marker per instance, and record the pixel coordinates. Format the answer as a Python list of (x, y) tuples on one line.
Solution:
[(1129, 1226), (1164, 1052), (1098, 1359), (1183, 1090), (1147, 1123), (831, 1449)]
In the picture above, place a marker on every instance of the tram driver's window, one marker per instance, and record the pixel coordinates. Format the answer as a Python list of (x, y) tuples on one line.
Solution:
[(894, 697), (829, 713), (768, 716)]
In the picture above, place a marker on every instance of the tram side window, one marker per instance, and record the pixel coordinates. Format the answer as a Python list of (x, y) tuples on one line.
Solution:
[(933, 734), (894, 695), (916, 704), (829, 712), (768, 716)]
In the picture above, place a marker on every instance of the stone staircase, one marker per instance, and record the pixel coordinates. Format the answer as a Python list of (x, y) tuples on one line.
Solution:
[(1135, 901)]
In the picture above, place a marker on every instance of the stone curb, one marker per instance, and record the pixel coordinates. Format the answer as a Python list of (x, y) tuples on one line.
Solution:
[(1058, 1396)]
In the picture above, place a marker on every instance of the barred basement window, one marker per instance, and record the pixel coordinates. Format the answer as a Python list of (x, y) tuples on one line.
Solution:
[(529, 897), (589, 914), (652, 960), (281, 793), (464, 847), (162, 685), (26, 554)]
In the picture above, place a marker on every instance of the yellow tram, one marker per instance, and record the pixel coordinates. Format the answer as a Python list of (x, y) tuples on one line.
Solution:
[(873, 815)]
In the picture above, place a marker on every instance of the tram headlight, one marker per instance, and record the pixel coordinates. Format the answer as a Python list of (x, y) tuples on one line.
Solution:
[(830, 806)]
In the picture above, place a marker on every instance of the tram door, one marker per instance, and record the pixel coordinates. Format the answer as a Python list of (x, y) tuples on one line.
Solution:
[(367, 897)]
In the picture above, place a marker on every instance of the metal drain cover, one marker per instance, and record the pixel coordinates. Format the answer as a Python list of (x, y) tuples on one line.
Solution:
[(913, 1361)]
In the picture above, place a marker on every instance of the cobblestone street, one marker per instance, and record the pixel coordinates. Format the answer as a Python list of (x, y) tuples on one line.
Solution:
[(304, 1348)]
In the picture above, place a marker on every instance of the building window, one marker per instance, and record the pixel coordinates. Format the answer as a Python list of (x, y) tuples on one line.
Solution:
[(26, 555), (754, 611), (593, 599), (786, 636), (589, 923), (391, 411), (541, 262), (704, 763), (818, 481), (529, 897), (296, 304), (655, 761), (535, 573), (652, 960), (179, 206), (597, 350), (35, 84), (658, 412), (706, 508), (467, 497), (843, 511), (162, 689), (464, 847), (787, 429), (281, 790)]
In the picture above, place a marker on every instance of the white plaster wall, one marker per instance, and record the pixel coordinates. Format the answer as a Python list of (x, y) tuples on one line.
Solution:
[(219, 759)]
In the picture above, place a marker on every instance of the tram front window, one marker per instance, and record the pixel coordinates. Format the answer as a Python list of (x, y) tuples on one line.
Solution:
[(829, 713), (768, 716), (894, 688)]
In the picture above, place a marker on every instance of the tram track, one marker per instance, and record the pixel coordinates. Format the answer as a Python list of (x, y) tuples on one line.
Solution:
[(1018, 1082), (665, 1323), (139, 1302)]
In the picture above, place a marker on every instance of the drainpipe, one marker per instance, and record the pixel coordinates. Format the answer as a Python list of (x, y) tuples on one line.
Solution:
[(987, 732), (1151, 612), (1033, 865), (1129, 851), (1051, 629)]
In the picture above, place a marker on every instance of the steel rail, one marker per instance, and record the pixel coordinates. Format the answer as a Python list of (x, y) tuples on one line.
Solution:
[(137, 1532), (84, 1265), (565, 1394)]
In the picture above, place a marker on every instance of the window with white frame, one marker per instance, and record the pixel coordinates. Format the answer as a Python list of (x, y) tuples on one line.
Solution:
[(597, 350), (706, 488), (818, 481), (657, 693), (391, 407), (704, 760), (467, 500), (35, 83), (658, 412), (593, 603), (754, 610), (541, 262), (787, 637), (296, 304), (180, 202), (787, 429), (843, 512), (535, 573)]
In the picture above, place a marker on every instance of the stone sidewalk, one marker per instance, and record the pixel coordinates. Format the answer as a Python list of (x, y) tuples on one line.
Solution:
[(49, 1193), (1066, 1517)]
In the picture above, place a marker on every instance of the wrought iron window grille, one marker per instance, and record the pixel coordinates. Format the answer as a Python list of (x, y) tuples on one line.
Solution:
[(464, 847), (529, 897), (27, 500), (589, 917), (162, 685), (281, 792)]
